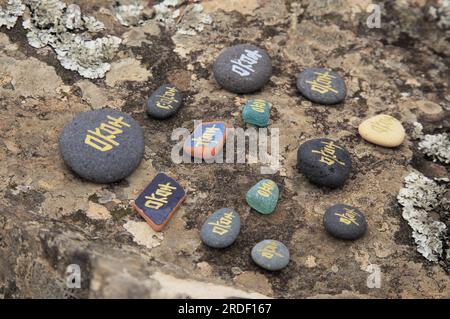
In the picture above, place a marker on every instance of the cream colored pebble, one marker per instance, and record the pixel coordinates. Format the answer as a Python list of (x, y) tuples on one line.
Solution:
[(383, 130)]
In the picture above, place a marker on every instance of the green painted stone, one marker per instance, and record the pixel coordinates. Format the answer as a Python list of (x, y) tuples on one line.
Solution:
[(256, 112), (263, 197)]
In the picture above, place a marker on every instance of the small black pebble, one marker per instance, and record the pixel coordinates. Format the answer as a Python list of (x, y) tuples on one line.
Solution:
[(344, 222), (324, 162)]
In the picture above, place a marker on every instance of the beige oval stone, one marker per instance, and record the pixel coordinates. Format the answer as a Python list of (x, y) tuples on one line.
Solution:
[(429, 107), (383, 130)]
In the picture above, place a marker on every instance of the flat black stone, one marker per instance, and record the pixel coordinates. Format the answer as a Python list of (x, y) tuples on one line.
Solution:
[(315, 159), (322, 86), (102, 146), (344, 222), (242, 68), (164, 102)]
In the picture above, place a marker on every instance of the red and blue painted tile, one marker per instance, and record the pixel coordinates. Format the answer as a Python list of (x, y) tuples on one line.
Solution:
[(207, 140)]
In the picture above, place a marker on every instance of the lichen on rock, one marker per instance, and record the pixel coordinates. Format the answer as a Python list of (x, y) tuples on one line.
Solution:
[(194, 20), (66, 30), (420, 197), (441, 12), (10, 12), (187, 19), (417, 131), (129, 14), (53, 23), (436, 146)]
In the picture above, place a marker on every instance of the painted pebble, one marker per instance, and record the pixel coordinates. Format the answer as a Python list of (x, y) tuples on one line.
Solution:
[(164, 102), (270, 254), (102, 146), (207, 140), (242, 68), (383, 130), (322, 86), (221, 229), (159, 200), (256, 112), (344, 222), (263, 196), (324, 162)]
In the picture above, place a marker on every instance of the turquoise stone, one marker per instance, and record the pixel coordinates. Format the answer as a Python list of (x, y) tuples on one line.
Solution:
[(256, 112), (263, 197)]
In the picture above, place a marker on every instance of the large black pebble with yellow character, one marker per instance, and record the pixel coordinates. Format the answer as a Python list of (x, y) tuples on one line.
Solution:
[(102, 146)]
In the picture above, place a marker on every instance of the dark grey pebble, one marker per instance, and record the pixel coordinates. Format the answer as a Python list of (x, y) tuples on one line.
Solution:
[(324, 162), (344, 222), (164, 102), (242, 68), (270, 254), (322, 86), (221, 229), (102, 146)]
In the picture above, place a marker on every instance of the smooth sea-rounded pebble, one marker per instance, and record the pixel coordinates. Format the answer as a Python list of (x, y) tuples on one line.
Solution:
[(322, 86), (256, 112), (344, 222), (270, 254), (221, 229), (324, 162), (383, 130), (242, 68), (102, 146), (164, 102), (263, 196)]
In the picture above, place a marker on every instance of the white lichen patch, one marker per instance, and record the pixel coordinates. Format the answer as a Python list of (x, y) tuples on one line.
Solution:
[(10, 12), (88, 57), (193, 20), (143, 234), (65, 29), (21, 189), (167, 12), (441, 12), (129, 14), (187, 19), (417, 132), (420, 197), (436, 146)]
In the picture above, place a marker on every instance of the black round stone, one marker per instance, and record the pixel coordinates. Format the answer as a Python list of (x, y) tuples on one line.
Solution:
[(242, 68), (324, 162), (102, 146), (322, 86), (344, 222), (164, 102)]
